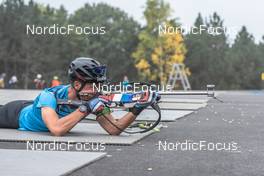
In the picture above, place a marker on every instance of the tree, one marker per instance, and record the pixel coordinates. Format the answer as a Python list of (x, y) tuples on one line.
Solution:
[(207, 54), (246, 62), (115, 46), (27, 55), (261, 66), (156, 51), (169, 51), (197, 55)]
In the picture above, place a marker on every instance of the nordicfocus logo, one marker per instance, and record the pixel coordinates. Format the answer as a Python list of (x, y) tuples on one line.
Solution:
[(217, 30), (129, 88), (65, 146), (56, 29), (189, 145)]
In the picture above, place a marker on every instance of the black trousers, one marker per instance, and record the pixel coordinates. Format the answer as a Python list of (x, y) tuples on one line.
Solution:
[(9, 113)]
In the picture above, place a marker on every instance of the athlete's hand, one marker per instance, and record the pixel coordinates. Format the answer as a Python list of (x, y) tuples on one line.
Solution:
[(95, 105), (147, 99)]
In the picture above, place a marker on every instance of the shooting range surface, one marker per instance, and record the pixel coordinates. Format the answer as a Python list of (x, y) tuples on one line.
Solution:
[(191, 97), (150, 115), (81, 133), (56, 162), (239, 119), (42, 163), (7, 95), (182, 100), (181, 106)]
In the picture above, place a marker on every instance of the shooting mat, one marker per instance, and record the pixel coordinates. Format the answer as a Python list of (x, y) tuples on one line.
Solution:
[(183, 100), (151, 115), (42, 163), (181, 106), (81, 133)]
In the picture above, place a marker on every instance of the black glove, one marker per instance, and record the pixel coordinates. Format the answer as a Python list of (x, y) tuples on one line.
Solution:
[(149, 97)]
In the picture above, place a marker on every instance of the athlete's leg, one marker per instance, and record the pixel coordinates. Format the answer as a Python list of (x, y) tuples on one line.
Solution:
[(9, 114)]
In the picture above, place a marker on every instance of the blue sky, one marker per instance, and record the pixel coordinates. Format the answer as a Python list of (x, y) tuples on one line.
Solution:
[(234, 12)]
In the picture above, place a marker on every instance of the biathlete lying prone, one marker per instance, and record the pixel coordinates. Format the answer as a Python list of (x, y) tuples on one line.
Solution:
[(44, 114)]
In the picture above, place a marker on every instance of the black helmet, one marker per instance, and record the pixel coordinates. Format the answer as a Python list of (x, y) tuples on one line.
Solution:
[(87, 70)]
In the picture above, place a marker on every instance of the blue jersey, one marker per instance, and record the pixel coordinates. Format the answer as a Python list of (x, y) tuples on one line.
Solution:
[(30, 117)]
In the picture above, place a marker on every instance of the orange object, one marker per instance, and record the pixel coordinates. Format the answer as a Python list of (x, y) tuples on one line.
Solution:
[(55, 82)]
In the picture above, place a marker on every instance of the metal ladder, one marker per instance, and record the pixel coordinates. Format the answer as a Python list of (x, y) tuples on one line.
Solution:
[(178, 73)]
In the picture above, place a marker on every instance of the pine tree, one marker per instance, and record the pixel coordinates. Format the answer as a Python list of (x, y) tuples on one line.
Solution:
[(206, 55), (246, 62)]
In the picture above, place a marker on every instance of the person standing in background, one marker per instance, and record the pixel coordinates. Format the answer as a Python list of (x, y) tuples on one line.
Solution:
[(2, 80), (39, 82), (13, 82), (55, 82), (125, 80)]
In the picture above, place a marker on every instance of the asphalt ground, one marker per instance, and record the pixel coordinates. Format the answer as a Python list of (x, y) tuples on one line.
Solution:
[(235, 126)]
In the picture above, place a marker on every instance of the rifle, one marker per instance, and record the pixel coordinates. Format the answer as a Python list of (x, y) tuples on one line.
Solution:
[(128, 100)]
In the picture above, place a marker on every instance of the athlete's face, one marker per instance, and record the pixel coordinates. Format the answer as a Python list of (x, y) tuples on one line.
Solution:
[(88, 91)]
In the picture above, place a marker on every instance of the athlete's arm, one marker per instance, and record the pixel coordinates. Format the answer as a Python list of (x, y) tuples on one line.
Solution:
[(122, 123), (115, 127), (59, 126)]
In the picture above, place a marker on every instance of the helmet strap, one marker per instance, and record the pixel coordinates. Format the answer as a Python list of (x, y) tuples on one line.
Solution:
[(78, 90)]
